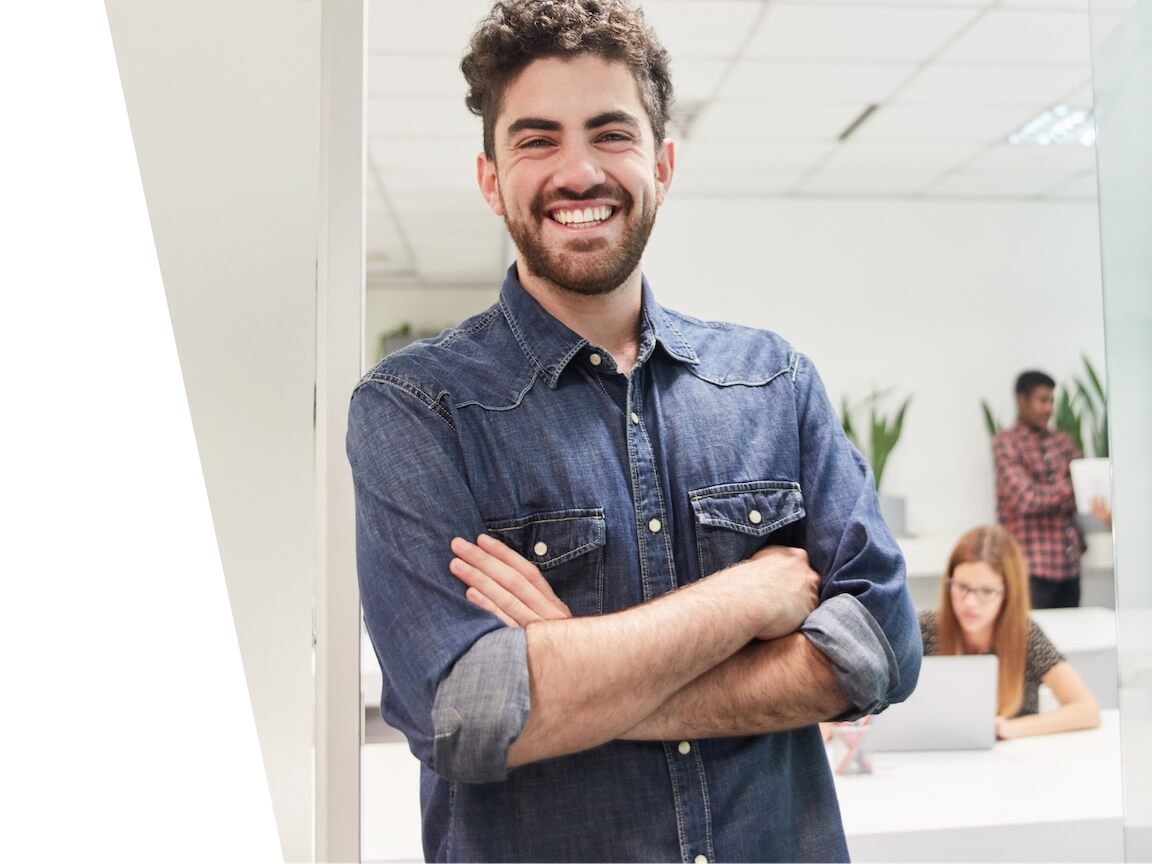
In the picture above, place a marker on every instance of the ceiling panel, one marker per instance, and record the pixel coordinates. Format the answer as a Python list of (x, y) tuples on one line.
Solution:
[(973, 184), (387, 242), (713, 181), (927, 123), (1017, 36), (1079, 188), (845, 33), (1056, 159), (466, 203), (872, 183), (455, 155), (747, 152), (426, 75), (1029, 86), (730, 120), (399, 181), (1033, 5), (697, 80), (925, 157), (396, 27), (784, 81), (701, 28), (1081, 97), (412, 117), (920, 4)]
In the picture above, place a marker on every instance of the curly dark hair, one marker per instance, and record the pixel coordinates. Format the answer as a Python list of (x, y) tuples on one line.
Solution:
[(516, 32)]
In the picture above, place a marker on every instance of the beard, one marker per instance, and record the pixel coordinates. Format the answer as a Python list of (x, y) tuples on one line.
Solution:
[(588, 267)]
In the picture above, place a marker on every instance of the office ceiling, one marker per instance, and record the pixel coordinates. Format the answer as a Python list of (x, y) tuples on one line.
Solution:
[(765, 89)]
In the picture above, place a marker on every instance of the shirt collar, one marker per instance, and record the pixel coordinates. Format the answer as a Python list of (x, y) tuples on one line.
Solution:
[(550, 346)]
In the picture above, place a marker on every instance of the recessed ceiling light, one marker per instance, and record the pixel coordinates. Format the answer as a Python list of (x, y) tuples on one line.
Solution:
[(1060, 124)]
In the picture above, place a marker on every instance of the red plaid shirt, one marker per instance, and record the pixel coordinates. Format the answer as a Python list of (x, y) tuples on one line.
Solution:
[(1034, 498)]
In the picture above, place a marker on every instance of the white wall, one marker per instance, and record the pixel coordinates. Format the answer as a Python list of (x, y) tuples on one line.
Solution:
[(946, 301), (224, 102)]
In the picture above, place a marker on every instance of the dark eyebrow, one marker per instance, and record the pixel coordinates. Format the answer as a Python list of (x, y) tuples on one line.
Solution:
[(532, 123), (605, 119), (610, 117)]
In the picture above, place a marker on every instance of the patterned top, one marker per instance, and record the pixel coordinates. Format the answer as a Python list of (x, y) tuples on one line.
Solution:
[(1034, 498), (1042, 656)]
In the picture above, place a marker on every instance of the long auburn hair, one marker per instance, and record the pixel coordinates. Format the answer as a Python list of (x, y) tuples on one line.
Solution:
[(992, 545)]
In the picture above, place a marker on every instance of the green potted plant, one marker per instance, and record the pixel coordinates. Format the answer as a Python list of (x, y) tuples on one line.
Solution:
[(883, 435)]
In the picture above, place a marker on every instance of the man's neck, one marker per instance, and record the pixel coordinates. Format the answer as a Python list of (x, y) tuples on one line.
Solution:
[(611, 320)]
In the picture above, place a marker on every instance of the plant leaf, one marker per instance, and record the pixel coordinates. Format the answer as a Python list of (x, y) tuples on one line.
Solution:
[(990, 420)]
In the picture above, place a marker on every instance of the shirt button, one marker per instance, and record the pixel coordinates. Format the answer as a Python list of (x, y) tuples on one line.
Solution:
[(755, 518), (595, 359), (685, 748), (654, 526), (701, 859), (541, 548), (635, 418)]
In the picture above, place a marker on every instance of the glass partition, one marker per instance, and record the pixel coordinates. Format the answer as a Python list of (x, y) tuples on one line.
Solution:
[(1122, 65)]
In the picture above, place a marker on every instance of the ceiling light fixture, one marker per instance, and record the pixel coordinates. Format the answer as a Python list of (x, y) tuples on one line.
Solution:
[(1060, 124)]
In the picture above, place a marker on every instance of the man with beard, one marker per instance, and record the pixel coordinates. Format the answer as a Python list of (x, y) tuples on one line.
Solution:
[(679, 566)]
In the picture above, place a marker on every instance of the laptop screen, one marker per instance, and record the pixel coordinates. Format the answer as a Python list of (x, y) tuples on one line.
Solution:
[(952, 708)]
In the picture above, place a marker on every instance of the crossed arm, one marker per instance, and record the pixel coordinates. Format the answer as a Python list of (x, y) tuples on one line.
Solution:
[(721, 657)]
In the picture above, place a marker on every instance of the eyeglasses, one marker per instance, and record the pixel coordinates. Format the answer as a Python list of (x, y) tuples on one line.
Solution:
[(983, 594)]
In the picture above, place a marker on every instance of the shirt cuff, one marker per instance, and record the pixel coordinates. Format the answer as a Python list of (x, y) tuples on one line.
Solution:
[(480, 708), (862, 660)]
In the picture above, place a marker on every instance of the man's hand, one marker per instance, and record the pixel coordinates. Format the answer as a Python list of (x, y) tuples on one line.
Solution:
[(504, 582), (791, 588), (512, 588)]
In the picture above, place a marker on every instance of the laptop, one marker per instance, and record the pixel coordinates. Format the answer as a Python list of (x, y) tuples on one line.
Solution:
[(952, 708)]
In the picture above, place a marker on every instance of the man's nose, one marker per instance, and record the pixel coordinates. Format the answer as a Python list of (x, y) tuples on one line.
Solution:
[(579, 169)]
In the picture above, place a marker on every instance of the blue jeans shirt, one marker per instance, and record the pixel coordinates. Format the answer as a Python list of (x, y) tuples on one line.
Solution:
[(514, 425)]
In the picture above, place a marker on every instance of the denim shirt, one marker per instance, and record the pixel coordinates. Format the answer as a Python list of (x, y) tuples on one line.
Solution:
[(721, 440)]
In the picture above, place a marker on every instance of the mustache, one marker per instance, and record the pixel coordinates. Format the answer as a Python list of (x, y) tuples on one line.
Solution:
[(601, 190)]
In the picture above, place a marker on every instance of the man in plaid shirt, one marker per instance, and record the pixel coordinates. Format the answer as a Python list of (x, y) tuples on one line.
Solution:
[(1034, 494)]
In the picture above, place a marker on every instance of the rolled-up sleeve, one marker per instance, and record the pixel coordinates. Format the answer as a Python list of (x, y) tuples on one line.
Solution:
[(865, 624), (455, 679), (481, 707), (861, 657)]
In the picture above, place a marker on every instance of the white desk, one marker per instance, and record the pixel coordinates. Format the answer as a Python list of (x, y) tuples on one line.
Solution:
[(1087, 637), (1048, 798)]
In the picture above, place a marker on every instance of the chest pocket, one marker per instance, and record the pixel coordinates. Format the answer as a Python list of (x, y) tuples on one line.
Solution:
[(568, 547), (734, 520)]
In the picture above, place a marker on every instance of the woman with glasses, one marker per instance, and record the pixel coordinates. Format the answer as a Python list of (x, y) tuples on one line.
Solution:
[(984, 609)]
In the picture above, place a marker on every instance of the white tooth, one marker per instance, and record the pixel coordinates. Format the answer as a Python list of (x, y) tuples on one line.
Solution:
[(604, 212), (562, 217), (586, 214)]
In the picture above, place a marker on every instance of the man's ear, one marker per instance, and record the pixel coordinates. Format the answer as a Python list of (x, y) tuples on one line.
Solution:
[(665, 168), (489, 183)]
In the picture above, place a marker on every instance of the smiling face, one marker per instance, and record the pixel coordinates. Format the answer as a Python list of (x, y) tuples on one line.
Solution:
[(576, 175), (977, 593)]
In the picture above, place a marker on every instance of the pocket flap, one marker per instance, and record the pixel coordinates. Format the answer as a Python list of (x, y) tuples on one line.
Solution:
[(756, 508), (549, 539)]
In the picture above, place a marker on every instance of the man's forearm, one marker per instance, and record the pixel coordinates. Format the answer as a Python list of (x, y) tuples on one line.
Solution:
[(592, 679), (766, 687)]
